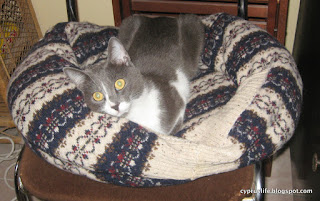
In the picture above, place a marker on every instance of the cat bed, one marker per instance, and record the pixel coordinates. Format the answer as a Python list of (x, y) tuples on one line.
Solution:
[(244, 106)]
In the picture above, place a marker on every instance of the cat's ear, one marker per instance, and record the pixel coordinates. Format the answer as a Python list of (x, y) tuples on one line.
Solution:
[(78, 77), (117, 53)]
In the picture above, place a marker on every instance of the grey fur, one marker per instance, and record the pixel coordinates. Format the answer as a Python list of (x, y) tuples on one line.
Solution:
[(152, 51)]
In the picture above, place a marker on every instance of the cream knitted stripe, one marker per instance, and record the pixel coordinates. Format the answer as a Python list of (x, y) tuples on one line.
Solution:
[(233, 33), (77, 141), (208, 83), (269, 58), (180, 159), (223, 120), (34, 97), (280, 125), (208, 20)]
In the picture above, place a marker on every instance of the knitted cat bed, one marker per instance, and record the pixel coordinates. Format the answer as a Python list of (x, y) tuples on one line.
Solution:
[(244, 106)]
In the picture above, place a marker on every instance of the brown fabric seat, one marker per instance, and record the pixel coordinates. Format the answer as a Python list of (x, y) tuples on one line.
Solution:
[(50, 183)]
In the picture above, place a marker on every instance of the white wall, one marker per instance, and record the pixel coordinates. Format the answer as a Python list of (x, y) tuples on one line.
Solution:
[(293, 12), (50, 13)]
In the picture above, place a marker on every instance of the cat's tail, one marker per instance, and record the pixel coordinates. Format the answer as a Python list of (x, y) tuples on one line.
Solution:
[(192, 42)]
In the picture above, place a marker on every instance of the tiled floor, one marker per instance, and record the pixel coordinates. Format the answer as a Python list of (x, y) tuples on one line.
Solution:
[(6, 193), (280, 176)]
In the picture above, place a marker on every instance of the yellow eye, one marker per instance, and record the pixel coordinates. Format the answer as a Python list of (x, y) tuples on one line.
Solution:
[(97, 96), (119, 84)]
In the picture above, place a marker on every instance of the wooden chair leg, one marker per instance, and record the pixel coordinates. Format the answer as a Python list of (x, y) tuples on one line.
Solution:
[(268, 166)]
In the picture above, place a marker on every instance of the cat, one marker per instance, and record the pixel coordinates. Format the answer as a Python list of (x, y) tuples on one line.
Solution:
[(147, 73)]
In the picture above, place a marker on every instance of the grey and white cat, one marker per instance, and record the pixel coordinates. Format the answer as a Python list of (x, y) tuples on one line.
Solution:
[(146, 75)]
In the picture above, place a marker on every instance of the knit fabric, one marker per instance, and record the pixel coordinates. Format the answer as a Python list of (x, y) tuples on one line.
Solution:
[(244, 106)]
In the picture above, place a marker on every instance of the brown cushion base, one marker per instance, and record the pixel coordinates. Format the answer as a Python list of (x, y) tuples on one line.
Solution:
[(50, 183)]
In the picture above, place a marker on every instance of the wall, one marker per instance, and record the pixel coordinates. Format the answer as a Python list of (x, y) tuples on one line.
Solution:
[(50, 13), (293, 11)]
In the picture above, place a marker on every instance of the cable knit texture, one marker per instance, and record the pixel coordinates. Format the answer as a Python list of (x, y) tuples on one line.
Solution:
[(244, 106)]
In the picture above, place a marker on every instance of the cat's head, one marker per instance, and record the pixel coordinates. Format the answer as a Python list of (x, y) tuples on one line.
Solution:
[(110, 85)]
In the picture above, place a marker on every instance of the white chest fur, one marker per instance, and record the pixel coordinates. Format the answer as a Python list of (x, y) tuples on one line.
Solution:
[(146, 110), (181, 85)]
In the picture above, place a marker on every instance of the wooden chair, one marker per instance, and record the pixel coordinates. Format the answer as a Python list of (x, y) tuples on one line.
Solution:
[(42, 180)]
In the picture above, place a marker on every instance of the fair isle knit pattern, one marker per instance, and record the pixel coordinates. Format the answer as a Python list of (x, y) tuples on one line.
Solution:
[(244, 106)]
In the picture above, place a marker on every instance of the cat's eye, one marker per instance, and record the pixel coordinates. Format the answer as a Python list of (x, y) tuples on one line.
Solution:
[(119, 84), (97, 96)]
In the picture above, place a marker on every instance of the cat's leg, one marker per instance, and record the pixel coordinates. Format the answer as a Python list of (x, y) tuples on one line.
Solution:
[(128, 30), (192, 41)]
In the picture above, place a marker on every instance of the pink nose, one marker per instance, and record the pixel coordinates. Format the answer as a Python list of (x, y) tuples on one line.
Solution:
[(116, 107)]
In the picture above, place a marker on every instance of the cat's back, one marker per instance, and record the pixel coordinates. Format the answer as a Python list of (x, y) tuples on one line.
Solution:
[(139, 32), (152, 43), (156, 45)]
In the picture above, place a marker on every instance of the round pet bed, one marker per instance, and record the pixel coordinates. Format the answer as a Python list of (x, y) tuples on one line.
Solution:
[(244, 106)]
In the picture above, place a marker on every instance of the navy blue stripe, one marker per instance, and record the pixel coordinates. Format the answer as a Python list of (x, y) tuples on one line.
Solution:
[(50, 125), (126, 156), (213, 41), (91, 44), (206, 103), (247, 48), (209, 101), (55, 35), (250, 129), (282, 81), (51, 65)]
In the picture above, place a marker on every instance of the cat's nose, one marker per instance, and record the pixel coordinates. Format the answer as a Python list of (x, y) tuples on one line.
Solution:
[(116, 107)]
